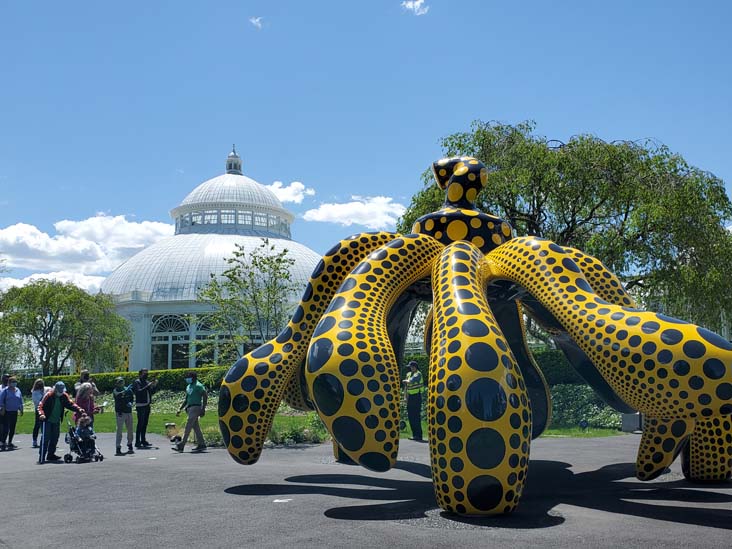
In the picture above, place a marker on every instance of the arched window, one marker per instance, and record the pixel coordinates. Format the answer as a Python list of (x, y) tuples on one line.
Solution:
[(169, 342)]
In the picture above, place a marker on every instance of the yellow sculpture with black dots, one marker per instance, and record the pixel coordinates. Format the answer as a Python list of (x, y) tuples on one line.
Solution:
[(487, 398)]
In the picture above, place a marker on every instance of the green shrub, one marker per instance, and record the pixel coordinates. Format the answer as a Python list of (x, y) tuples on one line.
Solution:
[(556, 369), (572, 404), (172, 380)]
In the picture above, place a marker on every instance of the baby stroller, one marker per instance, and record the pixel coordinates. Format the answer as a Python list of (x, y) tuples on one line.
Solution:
[(85, 450)]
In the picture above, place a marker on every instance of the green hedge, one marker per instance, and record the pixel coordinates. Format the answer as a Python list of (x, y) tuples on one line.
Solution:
[(556, 369), (552, 364), (171, 380), (571, 404)]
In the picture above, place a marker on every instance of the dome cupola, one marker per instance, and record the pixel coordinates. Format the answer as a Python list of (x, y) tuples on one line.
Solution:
[(233, 162)]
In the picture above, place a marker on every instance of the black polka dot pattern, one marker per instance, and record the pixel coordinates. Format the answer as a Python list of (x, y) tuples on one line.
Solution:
[(707, 457), (462, 177), (351, 369), (479, 417), (676, 373), (256, 384)]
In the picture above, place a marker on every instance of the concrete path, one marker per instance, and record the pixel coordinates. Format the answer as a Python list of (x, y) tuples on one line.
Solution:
[(581, 493)]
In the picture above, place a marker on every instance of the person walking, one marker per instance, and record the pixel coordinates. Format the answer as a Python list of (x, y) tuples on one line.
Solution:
[(143, 390), (11, 404), (39, 389), (413, 389), (123, 399), (51, 411), (195, 405)]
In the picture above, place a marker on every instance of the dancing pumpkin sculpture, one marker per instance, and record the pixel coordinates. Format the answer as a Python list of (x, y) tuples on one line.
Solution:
[(487, 398)]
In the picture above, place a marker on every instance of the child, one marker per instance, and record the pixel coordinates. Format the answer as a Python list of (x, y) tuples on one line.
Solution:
[(85, 436)]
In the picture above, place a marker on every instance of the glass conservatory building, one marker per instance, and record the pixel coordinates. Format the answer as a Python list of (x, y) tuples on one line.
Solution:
[(157, 288)]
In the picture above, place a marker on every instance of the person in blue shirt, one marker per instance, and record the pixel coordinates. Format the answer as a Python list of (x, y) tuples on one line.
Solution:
[(11, 404)]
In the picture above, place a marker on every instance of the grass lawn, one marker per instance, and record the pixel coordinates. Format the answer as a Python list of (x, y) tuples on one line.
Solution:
[(105, 423)]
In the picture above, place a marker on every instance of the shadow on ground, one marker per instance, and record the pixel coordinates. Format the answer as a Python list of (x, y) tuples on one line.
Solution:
[(611, 489)]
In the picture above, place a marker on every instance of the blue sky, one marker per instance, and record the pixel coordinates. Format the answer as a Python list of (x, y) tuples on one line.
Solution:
[(110, 113)]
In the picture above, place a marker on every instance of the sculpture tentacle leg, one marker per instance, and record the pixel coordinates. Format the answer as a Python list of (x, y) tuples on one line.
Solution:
[(509, 315), (479, 414), (351, 369), (601, 279), (664, 367), (252, 389), (707, 457), (661, 442)]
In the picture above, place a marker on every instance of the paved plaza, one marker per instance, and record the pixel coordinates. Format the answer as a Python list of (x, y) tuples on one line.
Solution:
[(580, 493)]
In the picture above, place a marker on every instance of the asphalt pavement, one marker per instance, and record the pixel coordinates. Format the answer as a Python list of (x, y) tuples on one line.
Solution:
[(580, 493)]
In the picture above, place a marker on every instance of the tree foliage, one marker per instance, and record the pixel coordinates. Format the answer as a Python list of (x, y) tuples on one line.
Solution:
[(250, 300), (653, 219), (60, 323)]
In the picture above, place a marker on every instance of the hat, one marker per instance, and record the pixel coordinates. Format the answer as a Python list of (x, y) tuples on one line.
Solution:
[(118, 379), (412, 363), (60, 385)]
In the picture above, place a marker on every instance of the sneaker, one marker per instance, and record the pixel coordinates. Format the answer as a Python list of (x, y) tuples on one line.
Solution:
[(145, 444), (199, 448), (35, 445), (177, 448), (53, 457), (118, 452), (129, 449), (12, 446), (138, 445)]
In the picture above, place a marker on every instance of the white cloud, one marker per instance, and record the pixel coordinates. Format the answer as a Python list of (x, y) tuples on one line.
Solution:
[(417, 7), (373, 212), (257, 22), (294, 192), (89, 283), (91, 246)]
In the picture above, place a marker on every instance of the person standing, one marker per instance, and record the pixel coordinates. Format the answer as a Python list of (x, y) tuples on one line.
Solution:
[(85, 400), (3, 385), (51, 411), (143, 390), (11, 404), (84, 377), (123, 399), (195, 406), (39, 389), (413, 389)]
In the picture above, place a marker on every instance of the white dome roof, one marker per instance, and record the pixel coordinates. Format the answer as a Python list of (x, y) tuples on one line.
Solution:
[(173, 269), (233, 189)]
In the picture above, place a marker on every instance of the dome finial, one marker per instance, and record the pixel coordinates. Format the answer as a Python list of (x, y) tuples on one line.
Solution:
[(233, 162)]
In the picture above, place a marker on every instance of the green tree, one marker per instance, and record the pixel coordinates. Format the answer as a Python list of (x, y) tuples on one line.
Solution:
[(653, 219), (59, 322), (250, 300)]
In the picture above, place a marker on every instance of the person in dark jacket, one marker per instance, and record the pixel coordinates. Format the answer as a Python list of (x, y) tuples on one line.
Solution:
[(51, 412), (123, 399), (143, 390)]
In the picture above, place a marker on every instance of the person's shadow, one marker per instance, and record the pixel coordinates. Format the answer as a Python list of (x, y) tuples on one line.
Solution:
[(612, 488)]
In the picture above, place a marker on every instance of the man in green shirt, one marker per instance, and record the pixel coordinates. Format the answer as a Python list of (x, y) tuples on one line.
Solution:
[(195, 406)]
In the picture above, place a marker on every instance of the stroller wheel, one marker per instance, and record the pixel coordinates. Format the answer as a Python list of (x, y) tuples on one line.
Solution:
[(101, 457), (96, 458), (67, 458)]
